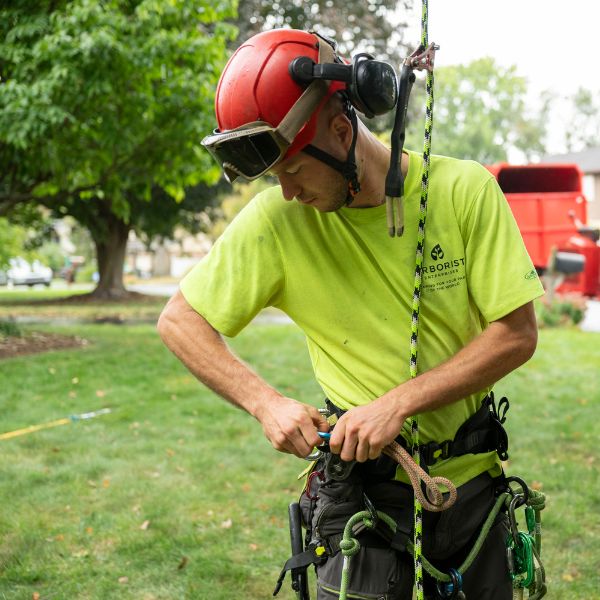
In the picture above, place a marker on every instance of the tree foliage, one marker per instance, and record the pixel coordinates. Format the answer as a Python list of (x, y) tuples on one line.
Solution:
[(11, 241), (103, 105), (480, 113), (375, 26), (583, 129)]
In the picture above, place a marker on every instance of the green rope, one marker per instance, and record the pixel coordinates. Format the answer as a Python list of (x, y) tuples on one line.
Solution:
[(350, 546), (418, 509)]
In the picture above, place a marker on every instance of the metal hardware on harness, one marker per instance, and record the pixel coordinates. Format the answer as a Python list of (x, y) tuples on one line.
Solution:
[(524, 489), (318, 453), (338, 469), (520, 555), (453, 589), (422, 59), (371, 508)]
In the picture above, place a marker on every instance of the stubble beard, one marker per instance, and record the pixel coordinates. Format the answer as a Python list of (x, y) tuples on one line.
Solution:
[(335, 197)]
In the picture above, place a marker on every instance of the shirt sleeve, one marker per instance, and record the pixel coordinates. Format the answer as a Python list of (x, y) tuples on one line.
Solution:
[(500, 273), (242, 274)]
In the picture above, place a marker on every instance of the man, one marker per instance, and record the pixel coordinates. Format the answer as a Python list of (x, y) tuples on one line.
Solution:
[(316, 247)]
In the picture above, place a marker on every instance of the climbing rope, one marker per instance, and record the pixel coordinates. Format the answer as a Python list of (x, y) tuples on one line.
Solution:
[(418, 507), (434, 501)]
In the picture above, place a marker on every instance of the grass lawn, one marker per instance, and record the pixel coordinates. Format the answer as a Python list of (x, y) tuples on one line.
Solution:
[(177, 495)]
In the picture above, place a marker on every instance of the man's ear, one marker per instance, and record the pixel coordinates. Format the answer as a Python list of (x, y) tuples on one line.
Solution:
[(340, 129)]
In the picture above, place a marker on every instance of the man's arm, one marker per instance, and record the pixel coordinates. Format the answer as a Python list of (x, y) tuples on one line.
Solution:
[(289, 425), (505, 345)]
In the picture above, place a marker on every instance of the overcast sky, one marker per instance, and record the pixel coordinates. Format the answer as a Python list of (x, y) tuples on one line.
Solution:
[(555, 44)]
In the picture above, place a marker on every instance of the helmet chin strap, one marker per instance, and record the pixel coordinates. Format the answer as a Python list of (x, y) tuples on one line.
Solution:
[(347, 168)]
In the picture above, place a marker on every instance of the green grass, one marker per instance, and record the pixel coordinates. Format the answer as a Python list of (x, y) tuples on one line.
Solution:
[(74, 498), (48, 304), (29, 295)]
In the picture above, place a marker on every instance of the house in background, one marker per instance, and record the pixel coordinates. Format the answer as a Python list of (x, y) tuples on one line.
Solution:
[(168, 258), (589, 163)]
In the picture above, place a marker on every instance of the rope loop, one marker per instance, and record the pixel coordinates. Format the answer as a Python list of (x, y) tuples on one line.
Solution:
[(434, 501), (350, 546)]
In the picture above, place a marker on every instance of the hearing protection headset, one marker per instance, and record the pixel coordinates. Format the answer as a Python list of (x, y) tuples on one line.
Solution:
[(371, 85)]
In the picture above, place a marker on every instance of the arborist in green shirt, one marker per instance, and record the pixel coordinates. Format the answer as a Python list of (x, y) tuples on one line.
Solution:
[(316, 247)]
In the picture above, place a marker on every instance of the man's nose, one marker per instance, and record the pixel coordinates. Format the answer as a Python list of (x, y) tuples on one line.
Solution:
[(289, 188)]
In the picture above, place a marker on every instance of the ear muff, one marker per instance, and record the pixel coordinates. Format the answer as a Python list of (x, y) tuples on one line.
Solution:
[(374, 87), (371, 85)]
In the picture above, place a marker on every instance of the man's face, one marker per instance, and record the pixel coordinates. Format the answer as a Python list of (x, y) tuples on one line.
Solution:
[(311, 182)]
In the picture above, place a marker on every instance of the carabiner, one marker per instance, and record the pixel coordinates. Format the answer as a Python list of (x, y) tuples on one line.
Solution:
[(316, 454), (372, 511), (453, 589), (516, 501), (524, 489), (319, 451)]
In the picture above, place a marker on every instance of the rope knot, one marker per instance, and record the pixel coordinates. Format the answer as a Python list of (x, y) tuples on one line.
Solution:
[(349, 547)]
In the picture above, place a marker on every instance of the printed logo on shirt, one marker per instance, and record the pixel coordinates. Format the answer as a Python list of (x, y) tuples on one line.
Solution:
[(532, 274), (443, 274), (437, 253)]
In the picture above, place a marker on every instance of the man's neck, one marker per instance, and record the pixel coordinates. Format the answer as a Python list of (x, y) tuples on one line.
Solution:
[(373, 160)]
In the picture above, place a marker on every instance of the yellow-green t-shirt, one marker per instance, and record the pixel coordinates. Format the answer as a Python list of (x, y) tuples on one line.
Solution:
[(349, 286)]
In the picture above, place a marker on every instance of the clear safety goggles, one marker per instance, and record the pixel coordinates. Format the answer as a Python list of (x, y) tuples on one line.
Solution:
[(254, 148)]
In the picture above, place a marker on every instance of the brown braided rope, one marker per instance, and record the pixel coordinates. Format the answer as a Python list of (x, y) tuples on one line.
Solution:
[(434, 502)]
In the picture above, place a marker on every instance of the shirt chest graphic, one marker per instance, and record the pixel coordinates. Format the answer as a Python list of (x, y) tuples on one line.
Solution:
[(443, 269)]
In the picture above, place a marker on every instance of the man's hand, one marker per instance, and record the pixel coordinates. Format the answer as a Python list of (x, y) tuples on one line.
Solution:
[(364, 431), (291, 426)]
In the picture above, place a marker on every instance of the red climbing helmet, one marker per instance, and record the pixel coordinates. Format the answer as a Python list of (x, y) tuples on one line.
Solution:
[(262, 113)]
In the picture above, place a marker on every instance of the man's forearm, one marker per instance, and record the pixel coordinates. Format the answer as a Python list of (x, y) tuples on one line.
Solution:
[(202, 350), (504, 346), (364, 431), (289, 425)]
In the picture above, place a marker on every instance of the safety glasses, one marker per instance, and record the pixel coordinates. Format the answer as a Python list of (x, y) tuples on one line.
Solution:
[(249, 151), (254, 148)]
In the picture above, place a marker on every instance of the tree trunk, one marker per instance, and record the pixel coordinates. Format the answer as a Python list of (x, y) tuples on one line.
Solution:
[(110, 254)]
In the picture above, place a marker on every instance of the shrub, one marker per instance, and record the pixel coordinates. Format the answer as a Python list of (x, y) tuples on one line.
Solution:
[(561, 311), (9, 328), (85, 274)]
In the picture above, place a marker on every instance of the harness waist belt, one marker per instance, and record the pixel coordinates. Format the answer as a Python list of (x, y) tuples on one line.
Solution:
[(480, 433)]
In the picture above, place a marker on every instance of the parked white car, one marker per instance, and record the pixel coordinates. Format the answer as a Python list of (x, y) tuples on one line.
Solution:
[(22, 272)]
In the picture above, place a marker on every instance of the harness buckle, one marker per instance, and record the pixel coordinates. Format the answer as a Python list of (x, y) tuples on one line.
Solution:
[(433, 451)]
